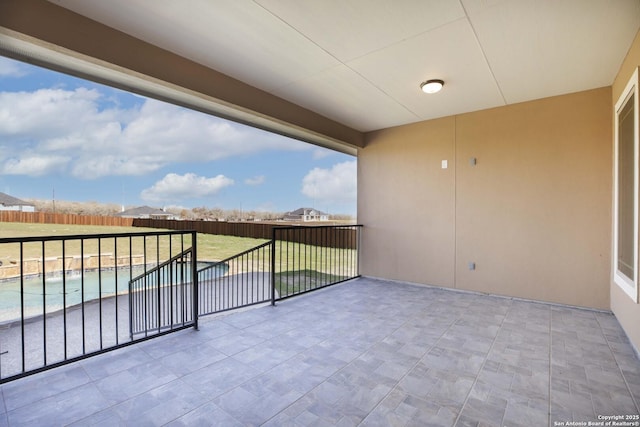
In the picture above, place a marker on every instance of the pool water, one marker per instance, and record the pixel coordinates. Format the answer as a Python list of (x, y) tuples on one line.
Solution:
[(53, 288), (73, 290)]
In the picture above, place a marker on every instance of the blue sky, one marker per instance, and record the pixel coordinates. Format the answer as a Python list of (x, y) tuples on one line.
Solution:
[(89, 142)]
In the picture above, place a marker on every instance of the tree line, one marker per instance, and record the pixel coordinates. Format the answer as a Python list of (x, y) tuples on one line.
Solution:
[(197, 213)]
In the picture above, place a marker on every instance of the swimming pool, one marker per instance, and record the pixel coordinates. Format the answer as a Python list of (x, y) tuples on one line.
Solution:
[(54, 293)]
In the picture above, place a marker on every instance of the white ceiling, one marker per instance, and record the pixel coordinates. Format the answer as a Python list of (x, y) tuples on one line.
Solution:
[(360, 62)]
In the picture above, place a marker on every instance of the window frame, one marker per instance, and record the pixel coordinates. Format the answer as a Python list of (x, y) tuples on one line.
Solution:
[(630, 287)]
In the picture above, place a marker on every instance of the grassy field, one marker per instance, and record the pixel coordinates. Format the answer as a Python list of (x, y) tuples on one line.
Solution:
[(299, 267), (210, 247)]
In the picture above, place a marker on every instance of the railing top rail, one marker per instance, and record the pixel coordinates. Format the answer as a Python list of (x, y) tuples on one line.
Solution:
[(164, 264), (91, 236), (298, 227), (236, 256)]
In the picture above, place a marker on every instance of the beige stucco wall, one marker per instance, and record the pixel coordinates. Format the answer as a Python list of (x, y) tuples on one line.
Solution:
[(627, 311), (533, 214), (407, 203)]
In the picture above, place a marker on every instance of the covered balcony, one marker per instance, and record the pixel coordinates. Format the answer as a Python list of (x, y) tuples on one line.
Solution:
[(499, 250)]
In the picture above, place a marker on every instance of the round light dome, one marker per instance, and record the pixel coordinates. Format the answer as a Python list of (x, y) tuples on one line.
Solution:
[(432, 86)]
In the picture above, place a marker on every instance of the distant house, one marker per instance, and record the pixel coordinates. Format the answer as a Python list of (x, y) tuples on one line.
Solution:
[(306, 215), (145, 212), (10, 203)]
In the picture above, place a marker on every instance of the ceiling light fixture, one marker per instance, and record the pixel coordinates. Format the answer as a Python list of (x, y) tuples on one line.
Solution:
[(432, 86)]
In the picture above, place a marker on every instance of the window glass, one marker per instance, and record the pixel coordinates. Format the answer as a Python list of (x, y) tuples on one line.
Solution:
[(626, 165)]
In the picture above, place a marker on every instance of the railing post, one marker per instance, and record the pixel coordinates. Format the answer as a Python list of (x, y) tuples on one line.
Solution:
[(131, 294), (194, 276), (273, 266), (359, 246)]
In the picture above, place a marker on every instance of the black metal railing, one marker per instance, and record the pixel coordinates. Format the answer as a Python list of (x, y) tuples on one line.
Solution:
[(238, 281), (162, 298), (310, 258), (297, 259), (64, 298)]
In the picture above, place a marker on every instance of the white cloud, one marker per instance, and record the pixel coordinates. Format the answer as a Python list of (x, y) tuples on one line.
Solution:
[(50, 113), (102, 139), (256, 180), (34, 165), (11, 68), (321, 153), (335, 185), (174, 187), (95, 167)]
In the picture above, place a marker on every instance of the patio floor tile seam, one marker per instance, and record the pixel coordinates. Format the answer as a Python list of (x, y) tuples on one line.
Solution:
[(475, 380), (112, 404), (274, 368), (151, 357), (4, 403), (624, 378), (94, 382), (434, 345), (363, 351), (395, 386), (209, 402)]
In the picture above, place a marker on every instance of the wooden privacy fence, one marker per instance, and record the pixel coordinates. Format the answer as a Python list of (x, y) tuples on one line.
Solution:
[(255, 230), (341, 237), (344, 237), (70, 219)]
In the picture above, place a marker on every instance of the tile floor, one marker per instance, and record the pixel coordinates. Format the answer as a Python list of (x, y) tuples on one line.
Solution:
[(366, 352)]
